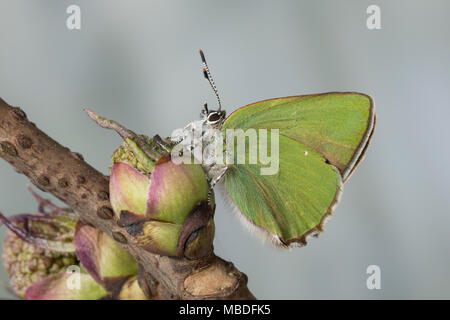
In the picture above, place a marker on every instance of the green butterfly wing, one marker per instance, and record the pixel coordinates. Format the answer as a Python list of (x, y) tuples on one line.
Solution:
[(322, 138)]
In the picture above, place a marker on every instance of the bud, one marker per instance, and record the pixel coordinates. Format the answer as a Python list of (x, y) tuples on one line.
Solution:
[(167, 208), (105, 260), (106, 271), (163, 207), (131, 290), (66, 285), (52, 256), (26, 264)]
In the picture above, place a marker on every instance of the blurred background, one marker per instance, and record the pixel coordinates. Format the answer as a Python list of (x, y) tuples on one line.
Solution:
[(137, 62)]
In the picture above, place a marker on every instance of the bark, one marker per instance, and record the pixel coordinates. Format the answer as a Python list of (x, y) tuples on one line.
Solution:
[(63, 173)]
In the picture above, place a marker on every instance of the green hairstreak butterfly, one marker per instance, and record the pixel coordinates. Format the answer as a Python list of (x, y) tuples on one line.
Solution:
[(321, 139)]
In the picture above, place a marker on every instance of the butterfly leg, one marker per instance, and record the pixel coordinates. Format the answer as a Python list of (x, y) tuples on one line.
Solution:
[(218, 177), (213, 182), (210, 196)]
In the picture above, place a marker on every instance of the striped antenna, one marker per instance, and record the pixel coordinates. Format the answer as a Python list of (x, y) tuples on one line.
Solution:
[(208, 77)]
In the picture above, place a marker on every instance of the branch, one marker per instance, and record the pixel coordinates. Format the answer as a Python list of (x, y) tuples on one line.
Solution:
[(55, 169)]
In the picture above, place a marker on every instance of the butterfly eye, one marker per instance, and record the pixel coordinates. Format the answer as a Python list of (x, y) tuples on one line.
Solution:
[(214, 117)]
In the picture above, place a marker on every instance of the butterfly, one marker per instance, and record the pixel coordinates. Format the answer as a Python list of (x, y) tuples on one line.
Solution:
[(321, 139)]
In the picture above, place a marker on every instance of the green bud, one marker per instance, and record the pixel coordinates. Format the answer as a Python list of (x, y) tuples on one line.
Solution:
[(66, 285), (105, 260), (166, 207), (131, 290), (163, 207), (51, 256)]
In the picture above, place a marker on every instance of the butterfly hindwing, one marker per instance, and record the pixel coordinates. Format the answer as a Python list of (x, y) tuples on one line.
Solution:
[(292, 203)]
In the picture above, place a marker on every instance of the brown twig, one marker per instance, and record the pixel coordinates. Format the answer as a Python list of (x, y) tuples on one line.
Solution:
[(55, 169)]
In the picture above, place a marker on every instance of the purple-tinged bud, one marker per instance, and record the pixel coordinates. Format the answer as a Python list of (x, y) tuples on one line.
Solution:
[(103, 258), (69, 284), (166, 207), (50, 255)]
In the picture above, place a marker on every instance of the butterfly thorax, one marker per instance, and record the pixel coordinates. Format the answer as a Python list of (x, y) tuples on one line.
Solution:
[(202, 138)]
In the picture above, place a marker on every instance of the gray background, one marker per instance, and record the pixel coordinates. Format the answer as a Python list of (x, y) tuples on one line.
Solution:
[(137, 62)]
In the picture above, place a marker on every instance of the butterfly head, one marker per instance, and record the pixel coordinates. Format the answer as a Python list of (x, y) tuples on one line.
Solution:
[(213, 117)]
